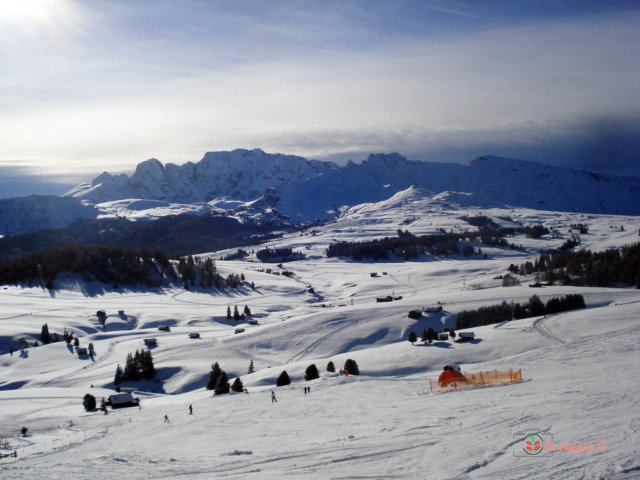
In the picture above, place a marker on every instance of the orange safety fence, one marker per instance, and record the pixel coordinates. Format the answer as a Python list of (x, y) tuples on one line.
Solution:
[(479, 379)]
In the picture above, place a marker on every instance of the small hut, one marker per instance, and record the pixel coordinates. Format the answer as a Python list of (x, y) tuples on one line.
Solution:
[(121, 400)]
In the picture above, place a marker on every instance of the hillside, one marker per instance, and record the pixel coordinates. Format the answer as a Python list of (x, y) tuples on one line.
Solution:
[(382, 423)]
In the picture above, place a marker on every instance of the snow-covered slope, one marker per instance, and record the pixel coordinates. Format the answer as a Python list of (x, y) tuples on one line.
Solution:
[(580, 369), (26, 214)]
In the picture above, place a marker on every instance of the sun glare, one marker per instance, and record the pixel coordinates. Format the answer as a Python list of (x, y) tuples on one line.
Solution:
[(18, 13)]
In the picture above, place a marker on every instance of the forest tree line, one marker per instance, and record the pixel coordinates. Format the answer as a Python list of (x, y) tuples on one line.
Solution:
[(117, 266), (407, 246), (515, 311), (175, 234), (610, 268)]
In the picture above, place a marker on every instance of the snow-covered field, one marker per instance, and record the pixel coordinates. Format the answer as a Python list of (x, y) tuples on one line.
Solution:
[(580, 369)]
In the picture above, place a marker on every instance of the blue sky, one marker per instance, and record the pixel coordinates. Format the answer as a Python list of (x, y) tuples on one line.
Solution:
[(89, 86)]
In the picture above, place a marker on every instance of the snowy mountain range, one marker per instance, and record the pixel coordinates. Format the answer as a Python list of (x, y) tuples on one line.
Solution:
[(252, 184), (308, 188), (240, 174)]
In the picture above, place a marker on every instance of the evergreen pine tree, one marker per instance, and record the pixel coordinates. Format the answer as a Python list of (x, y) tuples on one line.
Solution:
[(76, 342), (247, 311), (536, 307), (236, 313), (352, 367), (89, 402), (119, 378), (253, 286), (92, 352), (148, 371), (137, 361), (425, 336), (213, 376), (222, 384), (131, 372), (45, 336), (237, 385), (413, 337), (311, 373), (228, 313), (251, 369), (283, 379), (432, 336), (331, 367)]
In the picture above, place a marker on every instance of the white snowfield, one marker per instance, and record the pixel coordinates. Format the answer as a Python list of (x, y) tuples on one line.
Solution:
[(581, 369)]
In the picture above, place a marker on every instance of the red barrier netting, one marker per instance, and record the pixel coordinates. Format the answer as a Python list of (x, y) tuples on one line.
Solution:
[(478, 379)]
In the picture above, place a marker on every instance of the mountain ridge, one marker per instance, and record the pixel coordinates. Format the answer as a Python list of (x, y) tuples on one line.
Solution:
[(308, 189), (254, 186)]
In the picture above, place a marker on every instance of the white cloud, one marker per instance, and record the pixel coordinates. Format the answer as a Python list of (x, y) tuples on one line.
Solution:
[(111, 97)]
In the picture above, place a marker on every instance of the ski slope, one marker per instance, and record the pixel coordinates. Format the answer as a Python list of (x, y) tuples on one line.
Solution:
[(580, 368)]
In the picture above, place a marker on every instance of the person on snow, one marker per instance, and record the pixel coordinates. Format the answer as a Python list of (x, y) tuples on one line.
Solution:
[(166, 419), (190, 409), (450, 375), (273, 397), (305, 390)]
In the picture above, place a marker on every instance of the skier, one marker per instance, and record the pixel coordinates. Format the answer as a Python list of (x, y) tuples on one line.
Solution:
[(190, 409), (308, 389), (305, 390), (273, 397), (166, 419)]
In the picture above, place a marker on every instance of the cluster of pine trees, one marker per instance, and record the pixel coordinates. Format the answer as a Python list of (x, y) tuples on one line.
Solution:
[(46, 337), (236, 313), (486, 223), (115, 265), (611, 268), (219, 382), (409, 247), (528, 268), (429, 335), (239, 255), (234, 280), (138, 366), (514, 311), (312, 372), (278, 254)]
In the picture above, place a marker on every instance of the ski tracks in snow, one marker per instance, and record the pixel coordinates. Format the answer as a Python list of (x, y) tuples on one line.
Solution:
[(541, 326), (312, 346)]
